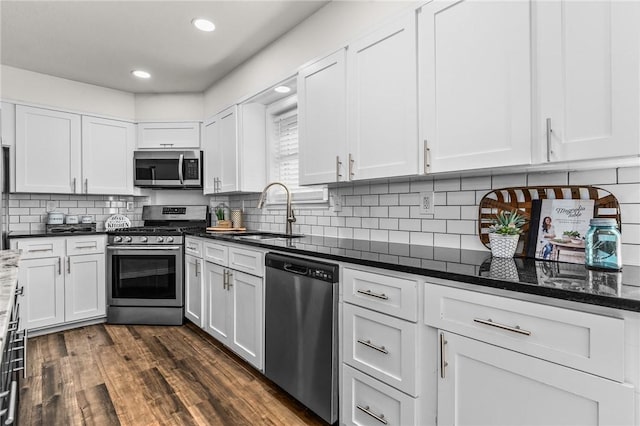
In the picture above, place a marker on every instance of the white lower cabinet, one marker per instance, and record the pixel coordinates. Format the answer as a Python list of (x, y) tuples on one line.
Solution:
[(483, 384), (234, 301), (63, 278), (193, 289)]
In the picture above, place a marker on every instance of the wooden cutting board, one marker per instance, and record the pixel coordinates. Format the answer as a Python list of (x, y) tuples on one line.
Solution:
[(220, 229)]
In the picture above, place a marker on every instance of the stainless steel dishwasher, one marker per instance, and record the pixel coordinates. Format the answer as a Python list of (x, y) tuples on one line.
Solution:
[(301, 331)]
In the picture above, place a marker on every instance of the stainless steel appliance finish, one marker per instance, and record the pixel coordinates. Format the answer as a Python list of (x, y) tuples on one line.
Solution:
[(301, 331), (167, 169), (145, 273)]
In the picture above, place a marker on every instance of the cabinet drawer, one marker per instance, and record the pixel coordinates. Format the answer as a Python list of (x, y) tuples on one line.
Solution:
[(249, 261), (383, 293), (587, 342), (193, 247), (381, 346), (86, 245), (367, 401), (216, 253), (39, 247)]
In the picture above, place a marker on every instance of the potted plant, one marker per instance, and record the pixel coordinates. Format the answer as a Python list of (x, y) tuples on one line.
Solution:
[(505, 233)]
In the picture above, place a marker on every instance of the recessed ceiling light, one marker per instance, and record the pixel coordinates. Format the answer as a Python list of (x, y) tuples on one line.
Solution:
[(203, 24), (282, 89), (141, 74)]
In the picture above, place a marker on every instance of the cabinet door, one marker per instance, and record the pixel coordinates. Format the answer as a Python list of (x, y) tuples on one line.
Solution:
[(475, 84), (107, 152), (322, 120), (217, 303), (588, 66), (211, 153), (43, 282), (484, 384), (193, 289), (169, 135), (45, 138), (247, 329), (228, 140), (382, 102), (85, 288)]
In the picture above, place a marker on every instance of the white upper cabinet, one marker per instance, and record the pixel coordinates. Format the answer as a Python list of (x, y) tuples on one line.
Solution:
[(381, 102), (475, 84), (47, 151), (107, 152), (322, 120), (588, 86), (234, 150), (169, 135)]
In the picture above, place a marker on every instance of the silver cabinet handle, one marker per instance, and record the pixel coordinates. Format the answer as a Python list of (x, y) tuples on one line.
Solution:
[(368, 344), (490, 322), (229, 285), (224, 279), (549, 131), (443, 362), (25, 336), (366, 410), (351, 161), (197, 265), (427, 157), (86, 186), (68, 265), (20, 291), (166, 144), (372, 294), (39, 250), (11, 416), (338, 164), (59, 265), (74, 185)]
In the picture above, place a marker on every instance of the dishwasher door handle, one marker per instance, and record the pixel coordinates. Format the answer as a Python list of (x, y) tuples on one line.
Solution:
[(300, 270)]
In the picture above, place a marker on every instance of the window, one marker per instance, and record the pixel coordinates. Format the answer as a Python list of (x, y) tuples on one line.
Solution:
[(282, 128)]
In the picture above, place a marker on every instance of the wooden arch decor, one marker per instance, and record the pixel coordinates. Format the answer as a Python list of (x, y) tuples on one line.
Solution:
[(520, 198)]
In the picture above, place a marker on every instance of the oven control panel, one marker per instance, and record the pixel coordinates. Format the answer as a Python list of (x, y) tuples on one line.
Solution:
[(144, 240)]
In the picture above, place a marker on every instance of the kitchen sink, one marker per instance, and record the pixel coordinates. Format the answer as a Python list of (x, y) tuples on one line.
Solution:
[(261, 236)]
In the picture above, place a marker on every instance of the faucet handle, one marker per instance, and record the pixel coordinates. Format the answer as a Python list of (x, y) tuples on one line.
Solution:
[(292, 218)]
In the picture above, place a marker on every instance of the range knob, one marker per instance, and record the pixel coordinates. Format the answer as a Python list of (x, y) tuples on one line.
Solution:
[(169, 239), (144, 239), (117, 239), (160, 239), (127, 239)]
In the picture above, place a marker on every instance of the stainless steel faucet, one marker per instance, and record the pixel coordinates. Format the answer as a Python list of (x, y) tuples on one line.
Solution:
[(290, 216)]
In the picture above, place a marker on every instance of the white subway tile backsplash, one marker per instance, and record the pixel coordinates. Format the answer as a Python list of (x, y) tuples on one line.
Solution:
[(330, 232), (446, 240), (411, 199), (345, 232), (353, 200), (399, 187), (389, 200), (473, 183), (401, 237), (629, 175), (471, 242), (439, 198), (360, 211), (370, 222), (447, 185), (462, 198), (469, 212), (631, 234), (361, 234), (29, 203), (421, 185), (421, 238), (338, 221), (631, 254), (379, 235), (389, 224), (379, 188), (361, 189), (461, 227), (399, 211), (542, 179), (593, 177), (370, 200), (379, 211), (434, 225), (628, 193), (353, 222), (410, 225), (447, 212), (630, 213)]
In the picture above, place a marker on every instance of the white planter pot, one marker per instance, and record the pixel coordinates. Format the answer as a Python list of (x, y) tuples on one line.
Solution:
[(503, 245)]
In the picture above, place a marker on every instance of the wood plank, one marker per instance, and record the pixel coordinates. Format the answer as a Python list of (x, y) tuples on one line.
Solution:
[(96, 407)]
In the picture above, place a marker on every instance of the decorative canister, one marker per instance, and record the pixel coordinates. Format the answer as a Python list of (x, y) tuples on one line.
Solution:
[(236, 218), (86, 219), (55, 218), (71, 219), (603, 245)]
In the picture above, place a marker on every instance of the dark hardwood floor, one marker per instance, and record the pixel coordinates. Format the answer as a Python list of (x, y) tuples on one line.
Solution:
[(147, 375)]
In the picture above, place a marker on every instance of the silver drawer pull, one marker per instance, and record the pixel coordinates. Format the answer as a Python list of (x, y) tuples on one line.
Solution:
[(372, 294), (515, 329), (368, 344), (39, 250), (366, 410)]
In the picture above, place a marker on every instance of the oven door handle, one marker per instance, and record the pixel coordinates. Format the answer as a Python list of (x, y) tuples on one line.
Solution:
[(166, 248)]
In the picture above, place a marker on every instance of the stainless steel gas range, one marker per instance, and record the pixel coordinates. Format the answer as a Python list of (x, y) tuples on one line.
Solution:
[(145, 277)]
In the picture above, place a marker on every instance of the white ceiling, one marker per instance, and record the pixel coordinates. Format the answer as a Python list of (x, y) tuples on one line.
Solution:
[(100, 42)]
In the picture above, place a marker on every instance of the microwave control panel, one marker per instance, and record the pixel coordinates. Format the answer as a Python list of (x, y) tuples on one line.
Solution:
[(191, 169)]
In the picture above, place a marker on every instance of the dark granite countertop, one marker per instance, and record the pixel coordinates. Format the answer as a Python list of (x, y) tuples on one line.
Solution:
[(557, 280), (57, 234)]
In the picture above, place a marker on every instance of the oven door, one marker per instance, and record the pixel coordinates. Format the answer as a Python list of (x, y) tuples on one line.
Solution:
[(145, 275)]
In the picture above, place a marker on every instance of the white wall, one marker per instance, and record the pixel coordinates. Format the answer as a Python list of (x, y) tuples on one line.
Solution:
[(41, 89), (169, 107), (327, 30)]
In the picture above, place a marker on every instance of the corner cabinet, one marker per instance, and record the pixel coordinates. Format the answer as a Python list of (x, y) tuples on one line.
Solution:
[(234, 144), (64, 280), (475, 84), (588, 95), (92, 155)]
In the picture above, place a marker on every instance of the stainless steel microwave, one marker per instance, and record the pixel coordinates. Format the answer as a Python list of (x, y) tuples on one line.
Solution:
[(167, 169)]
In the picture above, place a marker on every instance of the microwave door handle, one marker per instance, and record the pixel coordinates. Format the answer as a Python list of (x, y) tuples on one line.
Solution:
[(180, 164), (153, 174)]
